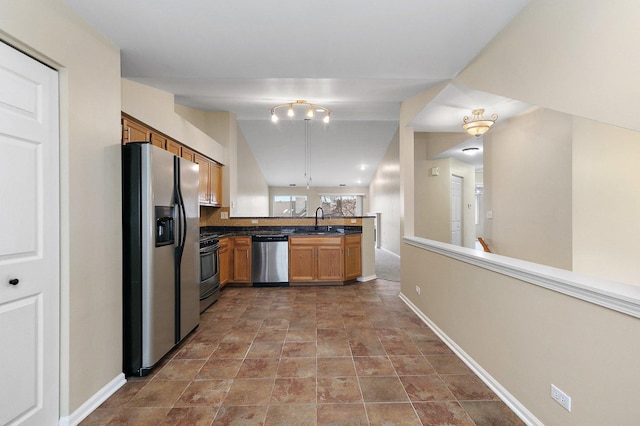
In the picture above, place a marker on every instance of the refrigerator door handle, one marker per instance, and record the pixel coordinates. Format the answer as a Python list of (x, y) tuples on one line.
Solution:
[(181, 240)]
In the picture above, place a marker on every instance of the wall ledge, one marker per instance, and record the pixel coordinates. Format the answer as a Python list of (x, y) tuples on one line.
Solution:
[(620, 297)]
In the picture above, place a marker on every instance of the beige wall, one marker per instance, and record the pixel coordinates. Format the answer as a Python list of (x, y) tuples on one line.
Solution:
[(433, 200), (91, 266), (433, 193), (527, 186), (569, 56), (252, 196), (585, 69), (606, 204), (245, 190), (528, 337), (384, 192), (157, 109)]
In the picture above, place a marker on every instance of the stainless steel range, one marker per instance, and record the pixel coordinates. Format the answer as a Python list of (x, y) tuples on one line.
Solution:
[(209, 270)]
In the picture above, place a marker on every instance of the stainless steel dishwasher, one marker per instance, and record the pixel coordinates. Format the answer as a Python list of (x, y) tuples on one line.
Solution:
[(270, 260)]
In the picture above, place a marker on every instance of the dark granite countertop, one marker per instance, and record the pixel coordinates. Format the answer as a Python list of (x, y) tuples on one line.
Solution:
[(292, 231)]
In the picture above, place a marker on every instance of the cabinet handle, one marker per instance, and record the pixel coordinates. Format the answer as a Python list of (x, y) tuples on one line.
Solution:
[(14, 281), (128, 134)]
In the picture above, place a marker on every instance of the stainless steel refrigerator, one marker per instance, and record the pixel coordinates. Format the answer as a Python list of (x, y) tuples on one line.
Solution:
[(161, 265)]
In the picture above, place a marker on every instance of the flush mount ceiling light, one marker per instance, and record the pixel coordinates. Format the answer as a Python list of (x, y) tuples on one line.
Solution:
[(309, 110), (470, 151), (478, 125)]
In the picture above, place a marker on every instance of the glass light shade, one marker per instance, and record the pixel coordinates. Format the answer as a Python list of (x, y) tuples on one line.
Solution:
[(290, 112), (477, 128), (310, 112), (274, 117), (478, 125), (326, 118)]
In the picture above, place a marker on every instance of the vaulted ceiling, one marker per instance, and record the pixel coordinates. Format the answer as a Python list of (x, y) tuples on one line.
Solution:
[(359, 58)]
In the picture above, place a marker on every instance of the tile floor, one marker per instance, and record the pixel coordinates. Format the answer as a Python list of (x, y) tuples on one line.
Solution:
[(350, 355)]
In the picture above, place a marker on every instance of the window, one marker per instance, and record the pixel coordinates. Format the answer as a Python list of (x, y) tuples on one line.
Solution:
[(341, 205), (289, 206)]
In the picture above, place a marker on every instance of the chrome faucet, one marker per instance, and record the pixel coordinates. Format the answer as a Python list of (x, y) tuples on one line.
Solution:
[(322, 217)]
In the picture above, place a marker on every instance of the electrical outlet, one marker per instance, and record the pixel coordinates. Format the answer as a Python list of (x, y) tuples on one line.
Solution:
[(417, 289), (224, 215), (254, 221), (561, 398)]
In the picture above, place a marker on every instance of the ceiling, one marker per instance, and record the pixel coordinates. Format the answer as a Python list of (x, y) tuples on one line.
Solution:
[(359, 58)]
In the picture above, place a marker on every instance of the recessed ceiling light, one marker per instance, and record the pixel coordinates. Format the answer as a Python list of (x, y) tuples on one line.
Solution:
[(363, 167)]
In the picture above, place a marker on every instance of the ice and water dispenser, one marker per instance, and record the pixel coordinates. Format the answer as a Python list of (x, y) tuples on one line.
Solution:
[(164, 225)]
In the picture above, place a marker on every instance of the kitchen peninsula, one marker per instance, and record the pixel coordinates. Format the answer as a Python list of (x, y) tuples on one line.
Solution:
[(335, 251)]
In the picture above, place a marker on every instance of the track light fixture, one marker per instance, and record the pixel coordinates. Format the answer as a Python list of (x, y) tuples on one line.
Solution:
[(310, 108)]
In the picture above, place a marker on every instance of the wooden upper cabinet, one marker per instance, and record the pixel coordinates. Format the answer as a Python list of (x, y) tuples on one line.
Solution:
[(203, 191), (210, 191), (134, 132), (158, 140), (215, 181), (187, 154), (174, 147)]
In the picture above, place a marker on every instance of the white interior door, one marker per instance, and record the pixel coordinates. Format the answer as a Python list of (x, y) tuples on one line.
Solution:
[(456, 210), (29, 242)]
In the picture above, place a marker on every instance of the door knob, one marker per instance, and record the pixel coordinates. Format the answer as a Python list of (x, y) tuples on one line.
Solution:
[(14, 281)]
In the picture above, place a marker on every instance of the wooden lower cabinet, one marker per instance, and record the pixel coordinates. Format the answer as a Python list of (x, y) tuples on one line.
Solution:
[(302, 261), (225, 258), (329, 266), (241, 260), (316, 259), (352, 256)]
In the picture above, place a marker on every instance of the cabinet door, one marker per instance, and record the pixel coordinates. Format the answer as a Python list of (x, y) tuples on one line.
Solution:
[(302, 260), (353, 257), (134, 132), (158, 140), (242, 260), (225, 266), (187, 154), (215, 184), (174, 147), (203, 190), (330, 261)]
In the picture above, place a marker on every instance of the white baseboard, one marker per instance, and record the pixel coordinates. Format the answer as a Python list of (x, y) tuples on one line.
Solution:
[(515, 405), (94, 402), (367, 278)]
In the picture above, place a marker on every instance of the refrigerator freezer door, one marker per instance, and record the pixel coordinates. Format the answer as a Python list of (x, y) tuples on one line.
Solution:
[(158, 294), (190, 267)]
